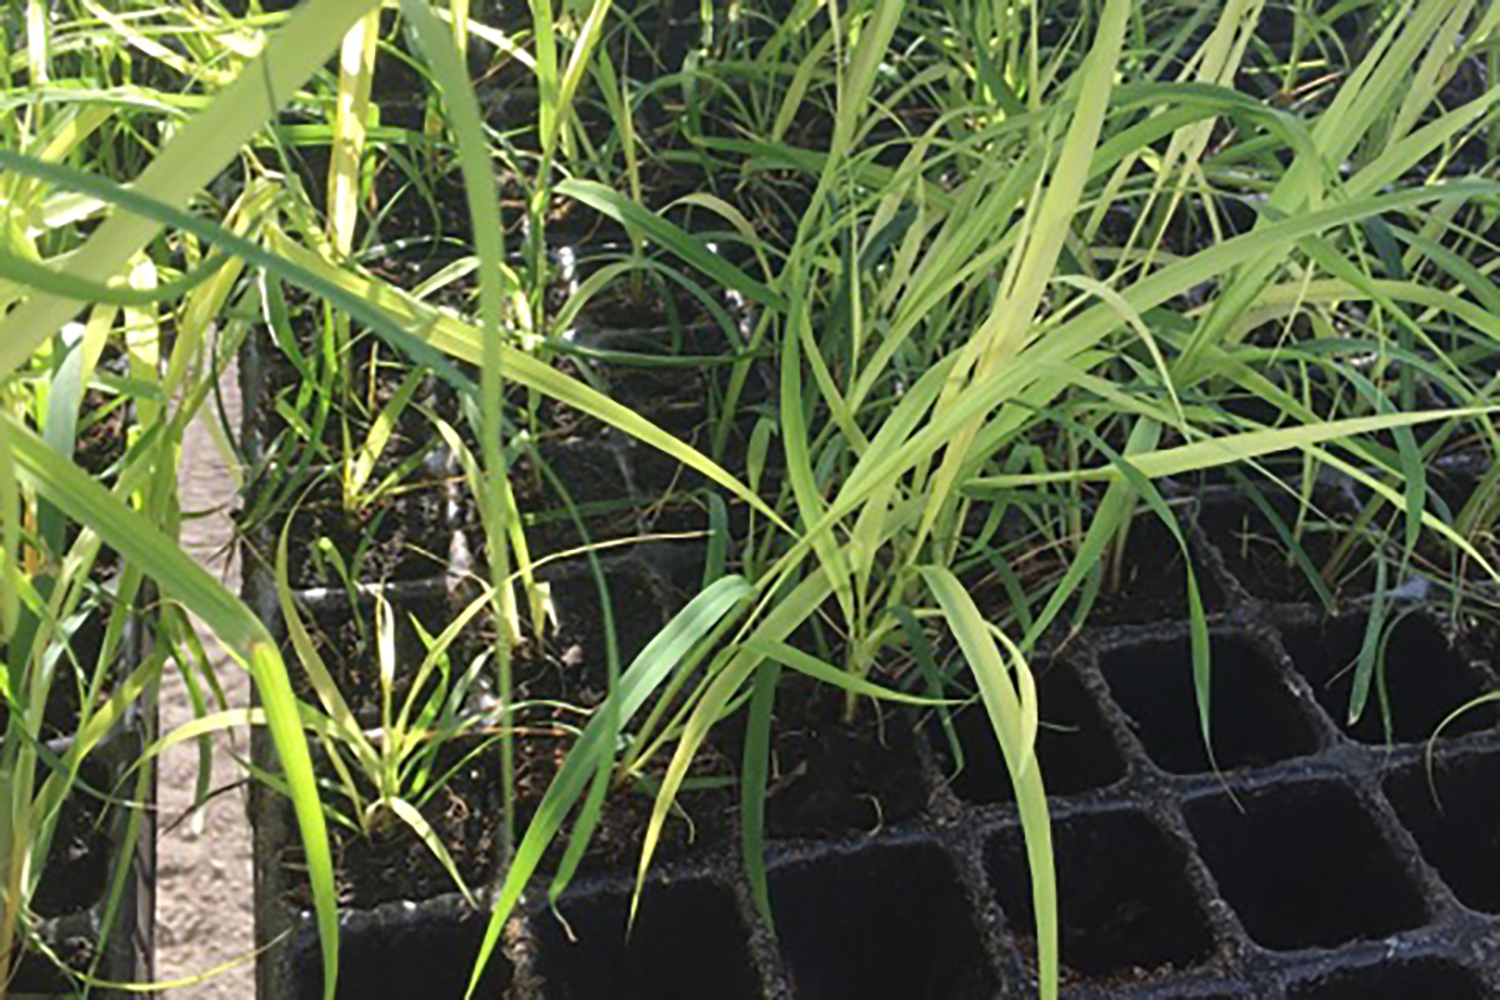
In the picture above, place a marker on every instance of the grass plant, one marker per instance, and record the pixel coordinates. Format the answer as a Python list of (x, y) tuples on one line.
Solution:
[(1010, 272)]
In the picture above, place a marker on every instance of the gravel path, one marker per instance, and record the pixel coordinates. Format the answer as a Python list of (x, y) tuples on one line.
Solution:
[(204, 889)]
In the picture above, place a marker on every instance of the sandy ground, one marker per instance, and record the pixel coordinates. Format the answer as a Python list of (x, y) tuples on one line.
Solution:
[(204, 889)]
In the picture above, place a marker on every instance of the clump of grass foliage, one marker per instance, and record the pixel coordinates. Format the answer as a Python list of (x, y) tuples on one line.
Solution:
[(1003, 262)]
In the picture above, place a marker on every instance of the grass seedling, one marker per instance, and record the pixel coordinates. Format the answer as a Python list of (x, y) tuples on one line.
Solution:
[(402, 762)]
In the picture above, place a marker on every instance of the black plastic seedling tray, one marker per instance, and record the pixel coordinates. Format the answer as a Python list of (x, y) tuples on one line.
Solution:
[(1307, 860), (613, 486), (73, 922)]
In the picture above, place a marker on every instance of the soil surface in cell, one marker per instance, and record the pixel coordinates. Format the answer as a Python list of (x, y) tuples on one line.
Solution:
[(1415, 685), (405, 537), (77, 870), (1451, 813), (392, 862), (1073, 743), (1151, 583), (1256, 719), (1276, 557), (831, 774), (564, 681)]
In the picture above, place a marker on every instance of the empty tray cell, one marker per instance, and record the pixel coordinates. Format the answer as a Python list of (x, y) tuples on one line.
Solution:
[(1456, 829), (577, 644), (597, 495), (1424, 678), (1123, 894), (1073, 743), (32, 974), (879, 923), (1305, 866), (416, 955), (1256, 718), (688, 942), (1152, 585), (1417, 980), (1257, 547), (1454, 487)]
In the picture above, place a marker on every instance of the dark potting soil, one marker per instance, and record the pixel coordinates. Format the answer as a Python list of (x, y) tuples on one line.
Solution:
[(77, 869), (392, 863), (1187, 232), (1257, 554), (100, 444), (38, 975), (1074, 745), (549, 423), (1277, 27), (571, 663), (674, 400), (404, 537), (375, 372), (567, 667), (347, 642), (1451, 493), (432, 204), (103, 419), (570, 667), (595, 475), (72, 678), (679, 392), (1423, 977), (884, 922), (677, 498), (1256, 719), (832, 775), (99, 447), (652, 304), (1033, 569), (704, 817), (688, 942), (1306, 866), (429, 955), (1451, 813), (1152, 585)]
